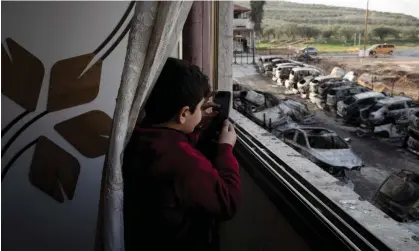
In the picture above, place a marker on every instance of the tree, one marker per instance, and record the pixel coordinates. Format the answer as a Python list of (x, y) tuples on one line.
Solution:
[(307, 31), (327, 34), (290, 30), (411, 32), (346, 32), (278, 31), (269, 31), (256, 14), (383, 32)]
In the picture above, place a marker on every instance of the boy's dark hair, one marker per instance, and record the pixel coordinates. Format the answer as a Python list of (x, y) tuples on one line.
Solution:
[(179, 84)]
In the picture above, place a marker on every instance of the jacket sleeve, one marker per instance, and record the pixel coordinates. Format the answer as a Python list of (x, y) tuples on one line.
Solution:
[(215, 188)]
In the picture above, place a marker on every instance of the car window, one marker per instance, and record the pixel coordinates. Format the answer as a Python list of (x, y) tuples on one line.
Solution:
[(349, 101), (398, 106), (301, 140), (289, 134), (365, 101)]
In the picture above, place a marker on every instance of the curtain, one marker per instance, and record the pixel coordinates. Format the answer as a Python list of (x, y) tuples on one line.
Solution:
[(155, 30)]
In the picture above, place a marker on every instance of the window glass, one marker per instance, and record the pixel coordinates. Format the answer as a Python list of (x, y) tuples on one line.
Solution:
[(301, 140), (398, 106), (289, 134)]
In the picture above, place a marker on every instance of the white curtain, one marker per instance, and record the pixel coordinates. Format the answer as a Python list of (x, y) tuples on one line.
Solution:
[(156, 27)]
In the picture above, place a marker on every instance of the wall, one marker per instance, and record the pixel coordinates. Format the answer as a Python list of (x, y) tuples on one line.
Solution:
[(50, 192)]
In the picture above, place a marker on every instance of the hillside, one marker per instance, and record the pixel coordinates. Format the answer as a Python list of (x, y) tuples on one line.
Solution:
[(281, 12)]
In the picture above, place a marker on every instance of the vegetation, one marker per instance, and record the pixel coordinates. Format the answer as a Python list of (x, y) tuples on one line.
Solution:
[(256, 13), (331, 24)]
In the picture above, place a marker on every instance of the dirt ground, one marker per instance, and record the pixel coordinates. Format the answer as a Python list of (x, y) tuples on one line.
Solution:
[(398, 75)]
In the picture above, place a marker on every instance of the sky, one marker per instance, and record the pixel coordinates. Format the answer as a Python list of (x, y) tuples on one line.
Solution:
[(410, 7)]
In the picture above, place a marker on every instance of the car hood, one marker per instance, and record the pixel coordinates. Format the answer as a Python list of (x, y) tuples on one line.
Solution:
[(338, 157)]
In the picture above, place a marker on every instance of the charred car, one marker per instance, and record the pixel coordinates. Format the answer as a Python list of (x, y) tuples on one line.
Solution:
[(279, 74), (270, 66), (321, 98), (298, 74), (389, 110), (337, 94), (323, 147), (398, 196), (412, 141), (349, 109), (305, 87), (265, 61), (268, 111)]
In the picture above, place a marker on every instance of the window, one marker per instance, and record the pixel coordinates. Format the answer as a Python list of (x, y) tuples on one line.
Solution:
[(398, 106), (301, 140), (289, 134), (349, 101), (366, 101)]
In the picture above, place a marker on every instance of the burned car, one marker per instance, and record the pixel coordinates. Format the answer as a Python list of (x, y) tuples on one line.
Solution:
[(305, 87), (274, 62), (270, 112), (412, 141), (279, 74), (389, 110), (324, 148), (321, 98), (302, 85), (264, 61), (398, 196), (337, 94), (349, 109), (299, 73)]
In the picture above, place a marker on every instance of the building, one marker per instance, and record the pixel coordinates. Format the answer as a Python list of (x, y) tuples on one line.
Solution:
[(243, 29)]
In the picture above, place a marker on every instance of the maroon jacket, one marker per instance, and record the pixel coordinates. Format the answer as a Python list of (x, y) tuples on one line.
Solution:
[(173, 195)]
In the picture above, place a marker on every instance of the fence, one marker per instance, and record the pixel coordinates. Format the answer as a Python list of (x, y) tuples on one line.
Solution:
[(251, 55)]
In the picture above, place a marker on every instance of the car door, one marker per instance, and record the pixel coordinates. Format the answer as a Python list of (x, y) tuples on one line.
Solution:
[(412, 107), (379, 49), (300, 143)]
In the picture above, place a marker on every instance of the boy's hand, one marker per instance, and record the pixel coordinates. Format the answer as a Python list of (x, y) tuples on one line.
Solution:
[(228, 134), (207, 112)]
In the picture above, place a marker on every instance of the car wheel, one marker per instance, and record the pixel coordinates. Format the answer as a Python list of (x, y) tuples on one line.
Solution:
[(373, 53), (390, 53), (315, 54)]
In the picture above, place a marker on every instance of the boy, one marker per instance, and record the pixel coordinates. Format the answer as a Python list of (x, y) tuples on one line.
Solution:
[(173, 195)]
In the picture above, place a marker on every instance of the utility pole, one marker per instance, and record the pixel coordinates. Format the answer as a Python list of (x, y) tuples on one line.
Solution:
[(366, 30)]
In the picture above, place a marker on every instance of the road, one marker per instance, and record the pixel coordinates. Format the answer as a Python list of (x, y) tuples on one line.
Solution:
[(381, 156)]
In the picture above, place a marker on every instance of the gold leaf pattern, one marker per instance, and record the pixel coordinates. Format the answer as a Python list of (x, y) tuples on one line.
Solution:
[(53, 170), (67, 88), (21, 75), (88, 133)]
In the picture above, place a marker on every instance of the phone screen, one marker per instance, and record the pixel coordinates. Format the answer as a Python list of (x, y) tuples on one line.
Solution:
[(223, 98)]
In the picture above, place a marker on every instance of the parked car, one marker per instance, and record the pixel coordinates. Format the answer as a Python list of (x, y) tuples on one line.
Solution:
[(337, 94), (265, 61), (349, 109), (398, 196), (310, 51), (299, 73), (305, 87), (277, 71), (389, 110), (412, 142), (323, 147), (270, 65)]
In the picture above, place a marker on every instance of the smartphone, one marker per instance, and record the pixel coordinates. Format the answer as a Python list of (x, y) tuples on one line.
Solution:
[(207, 143), (222, 98)]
